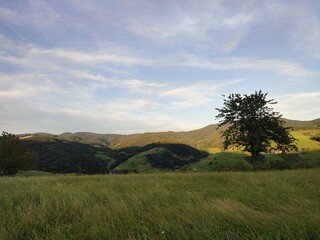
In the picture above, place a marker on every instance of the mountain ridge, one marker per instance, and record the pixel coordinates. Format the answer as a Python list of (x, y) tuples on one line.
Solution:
[(202, 138)]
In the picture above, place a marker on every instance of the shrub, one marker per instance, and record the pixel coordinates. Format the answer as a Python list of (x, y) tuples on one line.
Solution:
[(14, 156)]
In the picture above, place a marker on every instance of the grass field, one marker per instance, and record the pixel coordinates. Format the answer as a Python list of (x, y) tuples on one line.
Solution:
[(139, 161), (304, 141), (263, 205), (222, 161)]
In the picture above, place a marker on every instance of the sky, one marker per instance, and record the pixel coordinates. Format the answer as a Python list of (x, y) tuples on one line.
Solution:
[(129, 66)]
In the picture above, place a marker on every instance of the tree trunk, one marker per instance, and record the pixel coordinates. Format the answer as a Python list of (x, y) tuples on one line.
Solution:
[(254, 161)]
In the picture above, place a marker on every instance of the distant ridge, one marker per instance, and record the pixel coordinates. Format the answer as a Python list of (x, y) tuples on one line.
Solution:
[(203, 138), (303, 125)]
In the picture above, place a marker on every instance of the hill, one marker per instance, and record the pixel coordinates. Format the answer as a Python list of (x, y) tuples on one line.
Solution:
[(93, 153), (71, 157), (204, 138), (303, 125), (157, 156), (65, 157)]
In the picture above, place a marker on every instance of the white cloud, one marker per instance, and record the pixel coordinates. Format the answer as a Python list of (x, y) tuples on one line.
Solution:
[(62, 60), (12, 94), (33, 56), (33, 13), (131, 84), (299, 106), (126, 105), (195, 25), (9, 15), (238, 20), (298, 20), (115, 116), (196, 94), (240, 63), (82, 57)]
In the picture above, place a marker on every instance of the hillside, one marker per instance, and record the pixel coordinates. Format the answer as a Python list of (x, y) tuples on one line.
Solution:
[(157, 156), (303, 125), (93, 153), (71, 157), (204, 138)]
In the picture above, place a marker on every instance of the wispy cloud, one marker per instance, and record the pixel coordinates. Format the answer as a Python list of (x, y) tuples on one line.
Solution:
[(115, 116), (33, 57), (131, 84), (196, 94), (301, 19), (195, 25), (301, 105), (82, 57), (11, 94), (238, 63)]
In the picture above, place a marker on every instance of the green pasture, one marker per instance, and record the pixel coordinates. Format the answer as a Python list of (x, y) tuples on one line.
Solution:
[(263, 205), (139, 162), (304, 142)]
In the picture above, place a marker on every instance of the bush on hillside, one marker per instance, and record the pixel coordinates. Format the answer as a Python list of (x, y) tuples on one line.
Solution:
[(14, 155)]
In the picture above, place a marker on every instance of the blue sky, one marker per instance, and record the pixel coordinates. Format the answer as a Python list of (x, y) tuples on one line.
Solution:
[(135, 66)]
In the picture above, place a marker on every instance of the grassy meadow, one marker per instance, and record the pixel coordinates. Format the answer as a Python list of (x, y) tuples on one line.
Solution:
[(308, 156), (226, 205)]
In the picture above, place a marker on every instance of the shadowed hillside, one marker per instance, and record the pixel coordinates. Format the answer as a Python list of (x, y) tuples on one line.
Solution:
[(72, 157)]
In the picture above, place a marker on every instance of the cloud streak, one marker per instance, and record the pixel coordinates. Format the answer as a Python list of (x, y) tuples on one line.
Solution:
[(302, 104), (197, 94), (33, 57), (282, 67)]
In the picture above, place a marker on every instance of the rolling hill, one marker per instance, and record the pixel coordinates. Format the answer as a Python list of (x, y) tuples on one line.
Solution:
[(163, 151), (73, 157), (205, 138)]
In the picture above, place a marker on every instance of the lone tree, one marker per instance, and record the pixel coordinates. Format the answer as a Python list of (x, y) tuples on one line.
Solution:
[(14, 156), (252, 126)]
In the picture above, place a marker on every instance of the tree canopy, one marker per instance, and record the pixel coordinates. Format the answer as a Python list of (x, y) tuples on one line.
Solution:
[(253, 126), (14, 156)]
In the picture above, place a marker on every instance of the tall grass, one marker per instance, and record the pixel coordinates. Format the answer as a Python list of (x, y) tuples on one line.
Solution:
[(264, 205)]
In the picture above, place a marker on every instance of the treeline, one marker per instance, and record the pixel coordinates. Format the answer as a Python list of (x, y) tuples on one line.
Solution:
[(67, 157), (316, 138)]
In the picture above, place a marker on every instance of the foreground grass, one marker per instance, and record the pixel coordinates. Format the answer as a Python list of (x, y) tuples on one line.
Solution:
[(265, 205)]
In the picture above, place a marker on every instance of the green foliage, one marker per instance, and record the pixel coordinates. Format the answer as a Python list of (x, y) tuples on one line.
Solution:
[(157, 156), (233, 161), (315, 139), (70, 157), (253, 126), (224, 161), (108, 161), (14, 155), (165, 160), (277, 162), (310, 159), (250, 206), (137, 163)]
